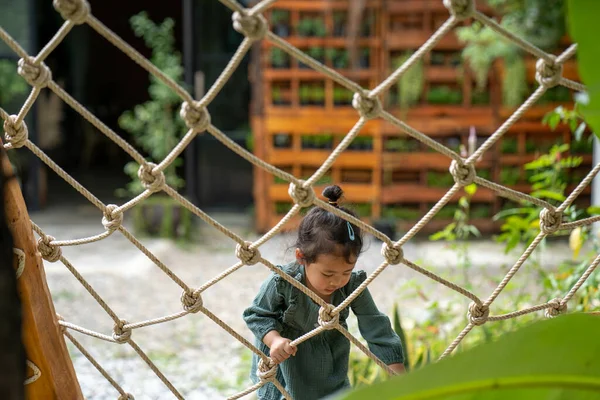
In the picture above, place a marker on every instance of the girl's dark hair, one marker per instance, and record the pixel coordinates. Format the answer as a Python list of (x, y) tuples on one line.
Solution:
[(323, 232)]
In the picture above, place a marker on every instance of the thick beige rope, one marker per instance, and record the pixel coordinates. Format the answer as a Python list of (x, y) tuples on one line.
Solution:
[(251, 24)]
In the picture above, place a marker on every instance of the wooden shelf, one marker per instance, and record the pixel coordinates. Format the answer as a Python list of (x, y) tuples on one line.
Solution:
[(417, 193), (315, 5), (315, 119), (522, 159), (417, 161), (272, 74), (411, 40), (443, 120), (331, 41), (356, 193), (315, 158), (484, 225), (441, 73), (380, 177), (433, 6)]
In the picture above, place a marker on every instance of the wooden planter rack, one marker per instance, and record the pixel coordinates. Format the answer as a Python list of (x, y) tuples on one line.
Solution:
[(299, 116)]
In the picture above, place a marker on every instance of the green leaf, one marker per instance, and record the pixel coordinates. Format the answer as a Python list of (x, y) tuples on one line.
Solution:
[(553, 120), (583, 22), (593, 210), (579, 131), (400, 332), (471, 189), (549, 195), (509, 212), (550, 359)]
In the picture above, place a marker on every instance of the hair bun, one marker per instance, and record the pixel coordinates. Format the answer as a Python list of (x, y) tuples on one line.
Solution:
[(333, 193)]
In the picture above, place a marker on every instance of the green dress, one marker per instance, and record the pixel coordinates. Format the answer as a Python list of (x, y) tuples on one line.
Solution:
[(320, 366)]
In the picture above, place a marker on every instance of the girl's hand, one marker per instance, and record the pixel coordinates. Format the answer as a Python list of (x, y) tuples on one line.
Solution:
[(397, 368), (281, 349)]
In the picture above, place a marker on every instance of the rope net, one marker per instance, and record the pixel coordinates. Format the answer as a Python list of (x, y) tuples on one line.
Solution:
[(252, 24)]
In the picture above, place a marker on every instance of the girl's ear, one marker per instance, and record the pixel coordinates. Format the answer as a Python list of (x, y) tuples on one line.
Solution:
[(299, 256)]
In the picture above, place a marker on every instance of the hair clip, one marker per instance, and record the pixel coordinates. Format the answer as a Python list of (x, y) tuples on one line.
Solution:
[(333, 203), (350, 231)]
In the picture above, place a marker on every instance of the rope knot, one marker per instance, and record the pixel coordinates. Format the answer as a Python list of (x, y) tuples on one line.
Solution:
[(126, 396), (478, 314), (254, 27), (556, 308), (247, 255), (36, 75), (266, 372), (196, 118), (302, 196), (367, 107), (49, 251), (151, 180), (550, 221), (460, 9), (15, 134), (120, 333), (548, 74), (393, 255), (463, 174), (110, 220), (326, 320), (75, 11), (192, 301)]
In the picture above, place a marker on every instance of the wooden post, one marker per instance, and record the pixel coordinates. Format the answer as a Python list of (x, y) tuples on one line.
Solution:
[(44, 343)]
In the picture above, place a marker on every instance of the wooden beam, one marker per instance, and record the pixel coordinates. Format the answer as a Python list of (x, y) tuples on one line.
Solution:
[(42, 337)]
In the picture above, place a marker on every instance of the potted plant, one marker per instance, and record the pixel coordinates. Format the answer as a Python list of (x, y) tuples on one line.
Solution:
[(365, 58), (11, 86), (276, 97), (323, 141), (279, 58), (339, 24), (305, 27), (401, 145), (318, 53), (308, 142), (410, 85), (341, 61), (281, 141), (319, 28), (367, 26), (437, 58), (444, 95), (509, 175), (348, 95), (305, 94), (480, 98), (157, 128), (338, 96), (330, 55), (509, 145), (361, 143), (280, 21), (318, 95)]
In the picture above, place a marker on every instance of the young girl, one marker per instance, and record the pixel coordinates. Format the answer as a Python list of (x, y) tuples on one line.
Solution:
[(326, 252)]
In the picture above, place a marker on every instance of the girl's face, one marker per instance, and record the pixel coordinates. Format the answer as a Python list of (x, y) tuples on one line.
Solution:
[(328, 273)]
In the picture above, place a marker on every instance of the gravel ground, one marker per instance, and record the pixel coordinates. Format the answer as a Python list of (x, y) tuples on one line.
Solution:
[(195, 354)]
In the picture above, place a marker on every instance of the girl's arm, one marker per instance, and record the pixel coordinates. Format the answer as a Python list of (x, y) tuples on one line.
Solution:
[(263, 319), (263, 315), (377, 330)]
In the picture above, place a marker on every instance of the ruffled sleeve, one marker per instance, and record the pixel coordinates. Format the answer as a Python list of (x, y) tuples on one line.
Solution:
[(264, 315), (374, 326)]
